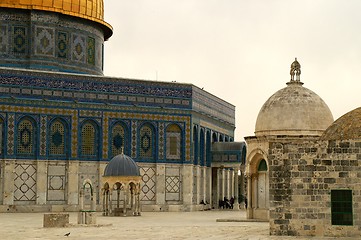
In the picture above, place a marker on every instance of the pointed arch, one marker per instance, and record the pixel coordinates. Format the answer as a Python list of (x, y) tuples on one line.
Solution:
[(214, 137), (26, 137), (89, 140), (58, 143), (118, 139), (146, 142)]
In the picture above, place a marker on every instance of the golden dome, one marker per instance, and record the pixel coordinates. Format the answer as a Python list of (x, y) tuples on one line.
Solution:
[(88, 9)]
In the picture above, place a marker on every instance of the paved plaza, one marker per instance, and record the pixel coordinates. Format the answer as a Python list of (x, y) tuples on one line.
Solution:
[(151, 225)]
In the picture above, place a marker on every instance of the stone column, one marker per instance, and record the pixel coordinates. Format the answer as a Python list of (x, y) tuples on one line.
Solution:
[(110, 202), (126, 192), (249, 197), (160, 186), (219, 187), (236, 188), (209, 186), (255, 203), (228, 183), (41, 182), (73, 183), (8, 184), (223, 179)]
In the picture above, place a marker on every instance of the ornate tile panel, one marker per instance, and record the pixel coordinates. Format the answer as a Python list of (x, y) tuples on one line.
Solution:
[(161, 140), (20, 40), (44, 41), (43, 128), (134, 139), (4, 38), (78, 48), (62, 45), (91, 51), (11, 132)]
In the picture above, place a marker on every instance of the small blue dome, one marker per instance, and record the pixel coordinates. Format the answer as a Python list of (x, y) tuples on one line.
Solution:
[(121, 165)]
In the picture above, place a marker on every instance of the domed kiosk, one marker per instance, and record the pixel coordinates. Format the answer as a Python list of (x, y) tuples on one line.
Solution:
[(293, 112), (121, 183)]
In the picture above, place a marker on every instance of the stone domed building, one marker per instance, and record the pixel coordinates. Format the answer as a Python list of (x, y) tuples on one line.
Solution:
[(303, 169), (61, 120)]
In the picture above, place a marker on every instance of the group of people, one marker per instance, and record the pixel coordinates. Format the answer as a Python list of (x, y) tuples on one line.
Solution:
[(225, 203)]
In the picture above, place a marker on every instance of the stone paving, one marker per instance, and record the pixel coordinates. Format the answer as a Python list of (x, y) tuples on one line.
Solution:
[(151, 225)]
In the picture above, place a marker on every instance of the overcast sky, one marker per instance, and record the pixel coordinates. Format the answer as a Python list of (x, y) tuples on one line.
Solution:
[(240, 50)]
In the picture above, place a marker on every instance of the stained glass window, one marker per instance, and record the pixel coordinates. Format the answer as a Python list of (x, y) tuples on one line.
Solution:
[(146, 142), (118, 139), (173, 142), (88, 140), (25, 139), (57, 138)]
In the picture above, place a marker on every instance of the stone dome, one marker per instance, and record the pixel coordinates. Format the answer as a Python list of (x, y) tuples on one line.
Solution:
[(88, 9), (293, 110), (121, 165), (347, 126)]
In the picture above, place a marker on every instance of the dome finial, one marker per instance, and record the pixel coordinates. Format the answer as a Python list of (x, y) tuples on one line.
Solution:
[(295, 71)]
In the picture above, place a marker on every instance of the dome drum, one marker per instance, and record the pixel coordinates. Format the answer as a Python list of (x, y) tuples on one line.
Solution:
[(50, 41)]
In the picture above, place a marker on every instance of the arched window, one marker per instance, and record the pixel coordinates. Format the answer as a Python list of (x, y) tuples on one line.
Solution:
[(118, 139), (214, 137), (146, 142), (221, 138), (26, 137), (57, 139), (89, 140), (262, 166), (174, 140)]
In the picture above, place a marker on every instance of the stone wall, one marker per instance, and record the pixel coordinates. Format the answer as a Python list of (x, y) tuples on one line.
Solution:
[(302, 175)]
